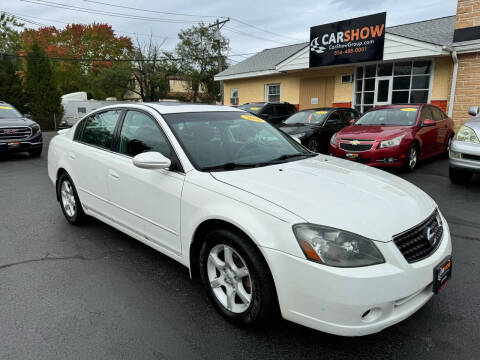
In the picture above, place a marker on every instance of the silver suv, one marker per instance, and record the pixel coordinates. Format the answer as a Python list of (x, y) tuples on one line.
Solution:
[(465, 150)]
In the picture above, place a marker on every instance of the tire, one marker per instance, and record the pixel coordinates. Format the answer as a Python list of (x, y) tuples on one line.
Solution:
[(459, 177), (313, 144), (69, 201), (447, 146), (35, 152), (411, 163), (254, 298)]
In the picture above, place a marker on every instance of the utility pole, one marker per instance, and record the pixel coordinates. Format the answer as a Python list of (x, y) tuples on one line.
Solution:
[(219, 24)]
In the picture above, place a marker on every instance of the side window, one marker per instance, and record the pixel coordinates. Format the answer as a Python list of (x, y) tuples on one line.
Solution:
[(99, 128), (437, 114), (426, 114), (140, 134), (349, 115), (334, 118)]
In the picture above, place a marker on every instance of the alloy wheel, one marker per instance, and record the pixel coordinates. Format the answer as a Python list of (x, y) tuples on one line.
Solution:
[(412, 158), (68, 199), (229, 278)]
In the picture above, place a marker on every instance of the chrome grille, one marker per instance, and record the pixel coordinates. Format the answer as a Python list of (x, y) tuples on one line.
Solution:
[(15, 133), (421, 241), (355, 147)]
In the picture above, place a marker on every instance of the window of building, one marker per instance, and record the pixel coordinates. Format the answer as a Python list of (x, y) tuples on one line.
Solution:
[(272, 93), (234, 96), (81, 110), (402, 82)]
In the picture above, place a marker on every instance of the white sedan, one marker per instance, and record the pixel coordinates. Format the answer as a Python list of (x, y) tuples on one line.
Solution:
[(266, 224)]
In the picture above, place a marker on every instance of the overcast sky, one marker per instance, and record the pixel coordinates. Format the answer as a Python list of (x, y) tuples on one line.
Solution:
[(276, 22)]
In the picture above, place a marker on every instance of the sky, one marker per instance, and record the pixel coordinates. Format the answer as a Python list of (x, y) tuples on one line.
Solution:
[(253, 25)]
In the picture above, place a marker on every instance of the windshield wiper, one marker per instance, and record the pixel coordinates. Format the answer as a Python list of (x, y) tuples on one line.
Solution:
[(230, 166), (290, 156)]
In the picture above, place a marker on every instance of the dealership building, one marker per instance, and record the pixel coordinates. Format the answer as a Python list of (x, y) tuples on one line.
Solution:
[(435, 61)]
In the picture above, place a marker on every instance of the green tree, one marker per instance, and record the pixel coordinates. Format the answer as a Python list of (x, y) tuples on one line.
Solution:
[(11, 90), (44, 101), (198, 58), (9, 34)]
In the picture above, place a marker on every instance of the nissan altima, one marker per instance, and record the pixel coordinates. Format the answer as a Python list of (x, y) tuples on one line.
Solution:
[(268, 226)]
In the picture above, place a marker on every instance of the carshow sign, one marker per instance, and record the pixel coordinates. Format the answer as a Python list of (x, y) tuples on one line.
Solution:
[(348, 41)]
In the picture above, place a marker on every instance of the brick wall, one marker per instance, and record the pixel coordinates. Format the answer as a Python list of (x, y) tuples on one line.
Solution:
[(467, 92), (468, 14)]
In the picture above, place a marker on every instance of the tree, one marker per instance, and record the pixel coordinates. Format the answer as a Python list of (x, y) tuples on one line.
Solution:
[(11, 89), (44, 101), (151, 71), (198, 58), (88, 50), (9, 35)]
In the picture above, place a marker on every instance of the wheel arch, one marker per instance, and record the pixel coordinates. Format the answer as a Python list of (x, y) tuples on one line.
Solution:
[(60, 172)]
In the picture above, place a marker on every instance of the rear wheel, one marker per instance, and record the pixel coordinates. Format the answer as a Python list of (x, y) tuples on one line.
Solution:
[(237, 279), (411, 160), (69, 201), (459, 177)]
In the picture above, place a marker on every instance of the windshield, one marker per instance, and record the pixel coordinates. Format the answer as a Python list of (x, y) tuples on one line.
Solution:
[(253, 108), (307, 117), (9, 112), (232, 140), (396, 116)]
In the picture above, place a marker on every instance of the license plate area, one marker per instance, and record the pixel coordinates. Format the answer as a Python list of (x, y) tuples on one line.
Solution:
[(352, 156), (442, 274)]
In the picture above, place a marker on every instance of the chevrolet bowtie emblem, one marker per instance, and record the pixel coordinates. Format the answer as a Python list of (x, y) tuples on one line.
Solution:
[(355, 142)]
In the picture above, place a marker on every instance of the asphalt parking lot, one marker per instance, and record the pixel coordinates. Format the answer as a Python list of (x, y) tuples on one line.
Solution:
[(92, 292)]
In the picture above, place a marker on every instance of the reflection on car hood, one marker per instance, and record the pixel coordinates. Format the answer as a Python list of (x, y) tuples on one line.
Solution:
[(372, 132), (16, 122), (296, 129), (338, 193)]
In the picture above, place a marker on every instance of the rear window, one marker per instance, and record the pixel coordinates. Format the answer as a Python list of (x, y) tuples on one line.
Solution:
[(406, 116)]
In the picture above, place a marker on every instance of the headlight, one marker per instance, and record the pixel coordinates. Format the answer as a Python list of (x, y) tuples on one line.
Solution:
[(467, 134), (35, 129), (333, 140), (335, 247), (392, 142), (298, 136)]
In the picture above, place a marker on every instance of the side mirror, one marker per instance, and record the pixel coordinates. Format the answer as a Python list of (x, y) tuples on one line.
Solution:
[(352, 121), (429, 122), (27, 116), (474, 110), (151, 160)]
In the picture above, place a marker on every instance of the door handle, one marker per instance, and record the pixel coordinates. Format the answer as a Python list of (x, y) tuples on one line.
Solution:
[(113, 175)]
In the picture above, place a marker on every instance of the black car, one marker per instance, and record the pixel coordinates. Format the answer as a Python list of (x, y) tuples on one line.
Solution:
[(274, 113), (315, 127), (18, 133)]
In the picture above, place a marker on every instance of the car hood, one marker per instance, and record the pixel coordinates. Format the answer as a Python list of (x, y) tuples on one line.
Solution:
[(296, 129), (338, 193), (16, 122), (372, 132)]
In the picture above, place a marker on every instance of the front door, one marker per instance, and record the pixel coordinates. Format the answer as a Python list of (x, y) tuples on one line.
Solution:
[(146, 201), (383, 93)]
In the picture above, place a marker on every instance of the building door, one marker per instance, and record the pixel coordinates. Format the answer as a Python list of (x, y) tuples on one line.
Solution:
[(383, 90), (316, 92)]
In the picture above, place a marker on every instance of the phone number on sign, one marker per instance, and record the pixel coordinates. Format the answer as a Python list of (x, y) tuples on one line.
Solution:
[(350, 51)]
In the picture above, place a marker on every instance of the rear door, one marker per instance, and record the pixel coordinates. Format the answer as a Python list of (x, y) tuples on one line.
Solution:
[(333, 123), (428, 134), (90, 154), (146, 201), (442, 124)]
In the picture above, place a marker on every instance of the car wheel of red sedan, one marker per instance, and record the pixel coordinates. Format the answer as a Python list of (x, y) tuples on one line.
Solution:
[(412, 157)]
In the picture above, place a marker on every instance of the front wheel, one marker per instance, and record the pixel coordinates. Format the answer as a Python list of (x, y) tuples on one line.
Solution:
[(314, 145), (411, 160), (69, 201), (237, 279), (459, 177)]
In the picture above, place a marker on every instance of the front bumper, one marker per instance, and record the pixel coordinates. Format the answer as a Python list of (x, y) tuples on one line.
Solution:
[(467, 156), (334, 300), (32, 143), (387, 157)]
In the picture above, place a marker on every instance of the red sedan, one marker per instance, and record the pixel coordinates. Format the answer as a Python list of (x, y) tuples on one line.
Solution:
[(395, 136)]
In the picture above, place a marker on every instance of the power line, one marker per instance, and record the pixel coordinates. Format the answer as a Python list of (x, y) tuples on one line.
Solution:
[(262, 30), (106, 13), (239, 32)]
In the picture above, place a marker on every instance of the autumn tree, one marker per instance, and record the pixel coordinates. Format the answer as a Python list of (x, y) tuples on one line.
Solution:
[(197, 54), (86, 52), (44, 97)]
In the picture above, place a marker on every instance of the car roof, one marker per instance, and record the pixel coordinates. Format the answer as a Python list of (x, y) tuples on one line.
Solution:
[(396, 106), (168, 107)]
